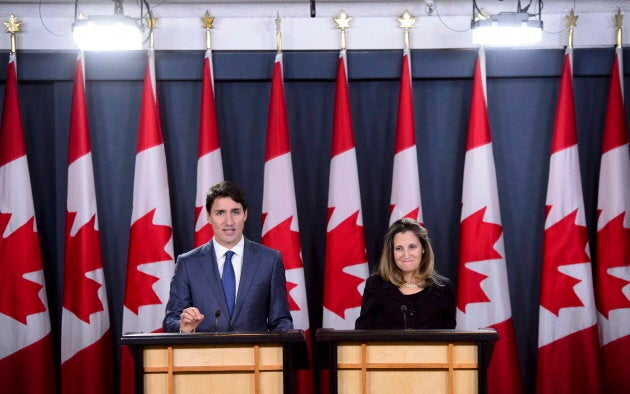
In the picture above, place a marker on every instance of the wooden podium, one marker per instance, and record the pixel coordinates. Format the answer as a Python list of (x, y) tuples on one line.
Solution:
[(408, 361), (213, 362)]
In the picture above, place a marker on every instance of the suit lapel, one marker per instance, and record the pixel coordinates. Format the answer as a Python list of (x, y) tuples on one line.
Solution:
[(248, 272), (208, 260)]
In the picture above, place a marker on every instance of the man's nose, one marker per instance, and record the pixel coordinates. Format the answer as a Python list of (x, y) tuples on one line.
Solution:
[(229, 219)]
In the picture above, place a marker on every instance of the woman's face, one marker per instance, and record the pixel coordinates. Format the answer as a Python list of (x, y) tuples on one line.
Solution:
[(407, 251)]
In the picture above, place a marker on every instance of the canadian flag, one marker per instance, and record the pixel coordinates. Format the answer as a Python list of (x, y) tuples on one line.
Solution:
[(209, 163), (405, 200), (612, 271), (86, 343), (150, 264), (567, 334), (346, 267), (26, 360), (483, 297), (280, 228)]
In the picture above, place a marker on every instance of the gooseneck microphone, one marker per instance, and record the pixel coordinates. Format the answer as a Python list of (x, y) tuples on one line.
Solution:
[(403, 310), (217, 315)]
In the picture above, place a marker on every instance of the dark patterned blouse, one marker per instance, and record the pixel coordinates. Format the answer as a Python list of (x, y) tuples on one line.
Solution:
[(385, 307)]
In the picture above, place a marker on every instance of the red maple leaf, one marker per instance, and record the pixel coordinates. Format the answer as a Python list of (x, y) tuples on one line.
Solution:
[(287, 242), (20, 254), (413, 214), (345, 246), (565, 244), (146, 245), (613, 250), (204, 234), (83, 254), (477, 244), (282, 238), (292, 304)]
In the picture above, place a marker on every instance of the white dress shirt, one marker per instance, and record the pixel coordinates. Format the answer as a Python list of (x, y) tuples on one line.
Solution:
[(237, 259)]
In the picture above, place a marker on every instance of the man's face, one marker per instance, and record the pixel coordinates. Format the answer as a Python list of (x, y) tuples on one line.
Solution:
[(227, 219)]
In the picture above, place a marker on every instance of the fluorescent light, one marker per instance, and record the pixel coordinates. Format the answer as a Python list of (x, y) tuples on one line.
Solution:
[(107, 33), (507, 28)]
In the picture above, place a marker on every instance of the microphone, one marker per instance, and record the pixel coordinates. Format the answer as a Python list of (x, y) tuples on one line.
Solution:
[(217, 315), (403, 310)]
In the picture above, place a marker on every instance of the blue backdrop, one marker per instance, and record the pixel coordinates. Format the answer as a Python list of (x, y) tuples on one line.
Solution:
[(522, 93)]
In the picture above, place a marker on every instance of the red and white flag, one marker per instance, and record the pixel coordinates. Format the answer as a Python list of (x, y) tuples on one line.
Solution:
[(405, 200), (150, 264), (612, 271), (26, 359), (346, 267), (280, 228), (483, 297), (86, 342), (209, 163), (567, 334)]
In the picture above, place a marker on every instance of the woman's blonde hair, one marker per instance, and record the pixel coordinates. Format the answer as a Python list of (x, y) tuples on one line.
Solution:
[(387, 268)]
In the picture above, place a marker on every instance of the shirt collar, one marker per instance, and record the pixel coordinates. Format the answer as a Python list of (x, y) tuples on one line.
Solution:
[(220, 250)]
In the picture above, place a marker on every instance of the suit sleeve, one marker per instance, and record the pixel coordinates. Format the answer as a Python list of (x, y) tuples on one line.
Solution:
[(179, 298), (279, 318), (367, 318)]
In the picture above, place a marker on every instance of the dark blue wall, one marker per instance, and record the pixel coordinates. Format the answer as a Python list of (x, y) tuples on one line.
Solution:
[(522, 94)]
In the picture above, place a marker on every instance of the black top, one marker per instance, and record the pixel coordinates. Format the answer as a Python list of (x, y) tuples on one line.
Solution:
[(382, 306)]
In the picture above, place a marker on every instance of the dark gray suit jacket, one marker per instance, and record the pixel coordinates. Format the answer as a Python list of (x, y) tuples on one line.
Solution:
[(261, 302)]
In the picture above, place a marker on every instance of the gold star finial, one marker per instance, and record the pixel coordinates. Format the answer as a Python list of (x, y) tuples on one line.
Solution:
[(13, 25), (207, 20), (342, 20), (278, 33), (619, 26), (571, 19), (151, 22), (619, 19), (406, 20)]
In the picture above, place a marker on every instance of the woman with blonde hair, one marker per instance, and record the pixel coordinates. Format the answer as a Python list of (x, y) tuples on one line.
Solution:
[(406, 291)]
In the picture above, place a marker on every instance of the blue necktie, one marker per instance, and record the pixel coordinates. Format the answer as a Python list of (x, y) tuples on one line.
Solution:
[(229, 281)]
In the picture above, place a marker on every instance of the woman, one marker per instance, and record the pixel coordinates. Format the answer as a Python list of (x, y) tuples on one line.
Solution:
[(406, 292)]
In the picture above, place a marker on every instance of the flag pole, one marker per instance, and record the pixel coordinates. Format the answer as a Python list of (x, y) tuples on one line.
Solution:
[(278, 33), (619, 25), (571, 20), (13, 26), (406, 21), (343, 22), (207, 21), (152, 24)]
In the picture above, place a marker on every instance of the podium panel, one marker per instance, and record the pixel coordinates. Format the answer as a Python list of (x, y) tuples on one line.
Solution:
[(218, 362), (408, 361)]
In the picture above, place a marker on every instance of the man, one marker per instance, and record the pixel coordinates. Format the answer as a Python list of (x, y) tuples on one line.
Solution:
[(230, 283)]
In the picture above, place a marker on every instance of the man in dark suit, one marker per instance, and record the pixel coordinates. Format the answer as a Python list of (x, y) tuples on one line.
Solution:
[(230, 283)]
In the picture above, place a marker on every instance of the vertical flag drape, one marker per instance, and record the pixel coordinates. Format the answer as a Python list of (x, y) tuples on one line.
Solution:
[(86, 343), (483, 298), (346, 267), (150, 264), (26, 359), (209, 162), (567, 334), (612, 269), (405, 197), (280, 228)]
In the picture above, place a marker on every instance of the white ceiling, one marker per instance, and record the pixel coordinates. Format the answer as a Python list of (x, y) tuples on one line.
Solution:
[(249, 25)]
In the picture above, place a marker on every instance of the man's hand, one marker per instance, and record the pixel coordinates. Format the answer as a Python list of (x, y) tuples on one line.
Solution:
[(190, 319)]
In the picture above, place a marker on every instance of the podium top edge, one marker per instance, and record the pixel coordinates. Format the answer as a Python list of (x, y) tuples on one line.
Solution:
[(135, 339), (332, 335)]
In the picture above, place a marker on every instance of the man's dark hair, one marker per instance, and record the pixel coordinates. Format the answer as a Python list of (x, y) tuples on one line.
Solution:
[(225, 189)]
